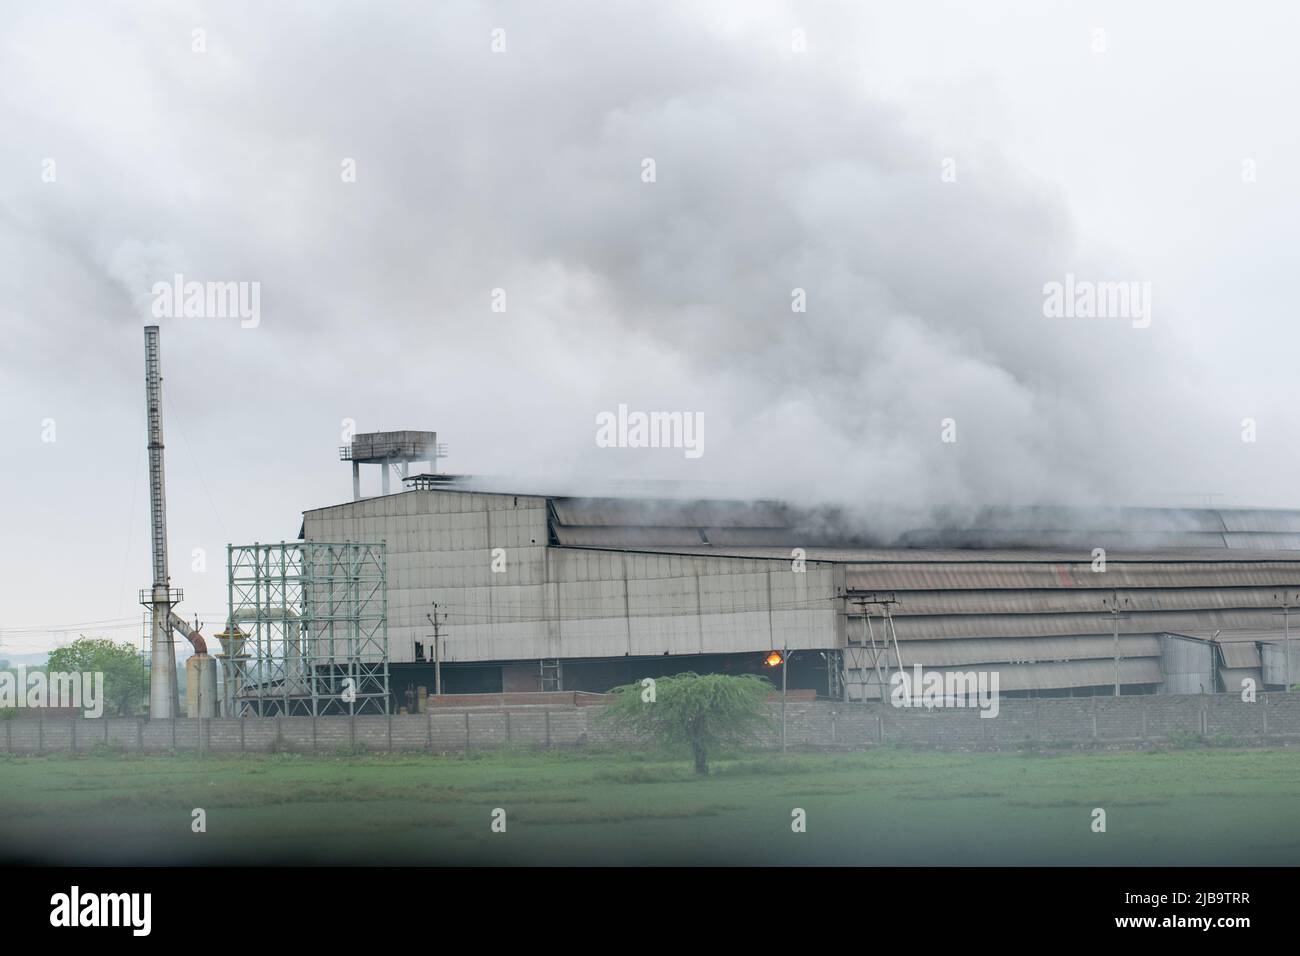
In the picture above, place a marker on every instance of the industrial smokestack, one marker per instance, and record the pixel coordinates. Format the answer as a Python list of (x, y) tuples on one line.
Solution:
[(163, 701)]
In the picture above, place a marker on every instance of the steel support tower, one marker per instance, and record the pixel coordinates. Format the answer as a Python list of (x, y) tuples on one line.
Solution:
[(307, 629)]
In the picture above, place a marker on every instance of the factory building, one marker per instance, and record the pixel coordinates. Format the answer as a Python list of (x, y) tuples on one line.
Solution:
[(536, 592)]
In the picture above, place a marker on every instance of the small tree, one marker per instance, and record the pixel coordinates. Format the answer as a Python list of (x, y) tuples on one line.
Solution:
[(705, 711), (121, 665)]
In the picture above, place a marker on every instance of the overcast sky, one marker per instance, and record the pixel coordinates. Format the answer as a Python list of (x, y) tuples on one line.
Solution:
[(921, 170)]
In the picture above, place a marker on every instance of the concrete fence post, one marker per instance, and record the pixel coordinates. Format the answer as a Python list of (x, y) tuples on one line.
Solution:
[(242, 747), (390, 733), (1094, 718), (507, 728), (467, 731), (1263, 710), (428, 731), (279, 734), (40, 733), (315, 746), (1144, 717), (139, 734), (74, 735), (352, 732), (548, 727)]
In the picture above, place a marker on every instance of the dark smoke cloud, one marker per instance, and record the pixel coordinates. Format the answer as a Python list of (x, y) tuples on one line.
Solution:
[(521, 170)]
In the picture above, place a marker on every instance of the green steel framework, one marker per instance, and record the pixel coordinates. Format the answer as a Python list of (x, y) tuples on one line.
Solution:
[(307, 629)]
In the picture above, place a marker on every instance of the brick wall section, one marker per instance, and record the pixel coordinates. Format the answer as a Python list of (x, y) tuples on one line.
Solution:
[(1282, 715), (1067, 719), (1128, 721), (1223, 719)]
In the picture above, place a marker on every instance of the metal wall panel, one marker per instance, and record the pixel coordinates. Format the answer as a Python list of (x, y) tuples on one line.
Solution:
[(570, 602), (1274, 661), (1023, 677), (1188, 665)]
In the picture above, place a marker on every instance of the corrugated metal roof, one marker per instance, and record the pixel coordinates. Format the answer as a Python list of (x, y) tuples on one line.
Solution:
[(1021, 649), (662, 539), (1240, 654), (1029, 625), (1110, 540), (625, 538), (1059, 518), (1260, 520), (1170, 573), (1080, 601), (1070, 530), (1236, 635), (1081, 540), (867, 558), (666, 513)]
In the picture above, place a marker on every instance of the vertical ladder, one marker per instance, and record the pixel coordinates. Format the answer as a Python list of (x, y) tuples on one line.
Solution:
[(550, 675), (157, 483)]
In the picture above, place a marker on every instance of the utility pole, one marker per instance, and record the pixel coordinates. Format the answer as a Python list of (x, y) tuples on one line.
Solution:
[(1114, 619), (436, 620), (1286, 639), (1286, 627), (785, 664), (1114, 616), (198, 675)]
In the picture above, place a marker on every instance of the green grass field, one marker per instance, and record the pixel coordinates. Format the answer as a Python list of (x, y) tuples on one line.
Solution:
[(888, 807)]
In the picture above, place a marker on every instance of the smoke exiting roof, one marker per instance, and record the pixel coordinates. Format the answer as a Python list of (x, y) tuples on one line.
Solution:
[(670, 514)]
